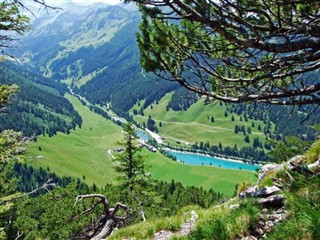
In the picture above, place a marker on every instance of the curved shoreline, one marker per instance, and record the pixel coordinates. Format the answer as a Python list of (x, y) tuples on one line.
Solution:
[(208, 155), (214, 157), (191, 159)]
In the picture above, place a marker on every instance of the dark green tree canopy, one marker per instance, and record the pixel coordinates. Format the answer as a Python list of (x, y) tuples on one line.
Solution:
[(235, 50), (130, 163)]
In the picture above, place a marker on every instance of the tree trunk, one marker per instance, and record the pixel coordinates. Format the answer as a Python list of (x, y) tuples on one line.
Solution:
[(105, 231)]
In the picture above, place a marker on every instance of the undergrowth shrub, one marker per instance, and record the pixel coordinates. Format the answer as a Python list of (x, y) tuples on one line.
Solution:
[(230, 224), (303, 221)]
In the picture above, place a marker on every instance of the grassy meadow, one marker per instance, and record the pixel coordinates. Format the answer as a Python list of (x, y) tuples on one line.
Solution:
[(194, 125), (218, 179), (83, 154)]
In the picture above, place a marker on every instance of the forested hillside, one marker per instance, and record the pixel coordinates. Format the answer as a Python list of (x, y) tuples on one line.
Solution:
[(88, 174), (94, 50), (39, 107)]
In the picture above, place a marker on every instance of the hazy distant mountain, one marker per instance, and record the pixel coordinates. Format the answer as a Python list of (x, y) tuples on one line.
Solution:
[(93, 49)]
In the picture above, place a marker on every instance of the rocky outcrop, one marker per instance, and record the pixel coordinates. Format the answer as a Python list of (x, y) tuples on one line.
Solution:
[(185, 229), (271, 198), (273, 204), (275, 201), (272, 201), (269, 167), (267, 220), (260, 193)]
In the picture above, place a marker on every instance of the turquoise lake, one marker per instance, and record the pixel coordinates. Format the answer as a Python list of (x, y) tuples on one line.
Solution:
[(198, 159)]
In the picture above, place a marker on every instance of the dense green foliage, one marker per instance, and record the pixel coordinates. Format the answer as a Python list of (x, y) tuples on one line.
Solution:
[(49, 215), (6, 93), (182, 99), (234, 51), (129, 163), (54, 215)]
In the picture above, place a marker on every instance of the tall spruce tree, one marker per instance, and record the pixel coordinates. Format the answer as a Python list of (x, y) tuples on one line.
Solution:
[(130, 163)]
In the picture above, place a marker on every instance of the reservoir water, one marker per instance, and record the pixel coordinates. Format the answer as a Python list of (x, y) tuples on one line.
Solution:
[(198, 159)]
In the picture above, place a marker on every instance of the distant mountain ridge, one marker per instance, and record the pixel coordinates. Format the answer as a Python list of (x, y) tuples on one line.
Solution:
[(93, 49)]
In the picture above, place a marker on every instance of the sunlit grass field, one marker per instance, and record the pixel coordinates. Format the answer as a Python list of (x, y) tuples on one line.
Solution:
[(194, 125), (84, 154)]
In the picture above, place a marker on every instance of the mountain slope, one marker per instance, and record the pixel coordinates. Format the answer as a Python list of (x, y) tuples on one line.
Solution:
[(284, 204), (39, 107), (94, 50)]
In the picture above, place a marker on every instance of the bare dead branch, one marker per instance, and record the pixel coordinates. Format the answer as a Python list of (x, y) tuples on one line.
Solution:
[(46, 186), (104, 226), (19, 235)]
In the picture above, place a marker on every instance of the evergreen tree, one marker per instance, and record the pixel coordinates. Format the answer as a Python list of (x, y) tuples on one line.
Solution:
[(256, 142), (236, 129), (130, 163), (243, 31)]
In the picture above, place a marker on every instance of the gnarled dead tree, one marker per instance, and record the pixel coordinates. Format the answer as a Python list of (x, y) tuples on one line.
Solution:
[(104, 225), (235, 51)]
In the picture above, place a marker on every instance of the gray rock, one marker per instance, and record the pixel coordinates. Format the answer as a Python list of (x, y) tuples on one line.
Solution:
[(269, 223), (302, 169), (267, 191), (269, 167), (314, 166), (248, 192), (275, 201), (234, 206), (297, 159), (259, 231), (261, 223)]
